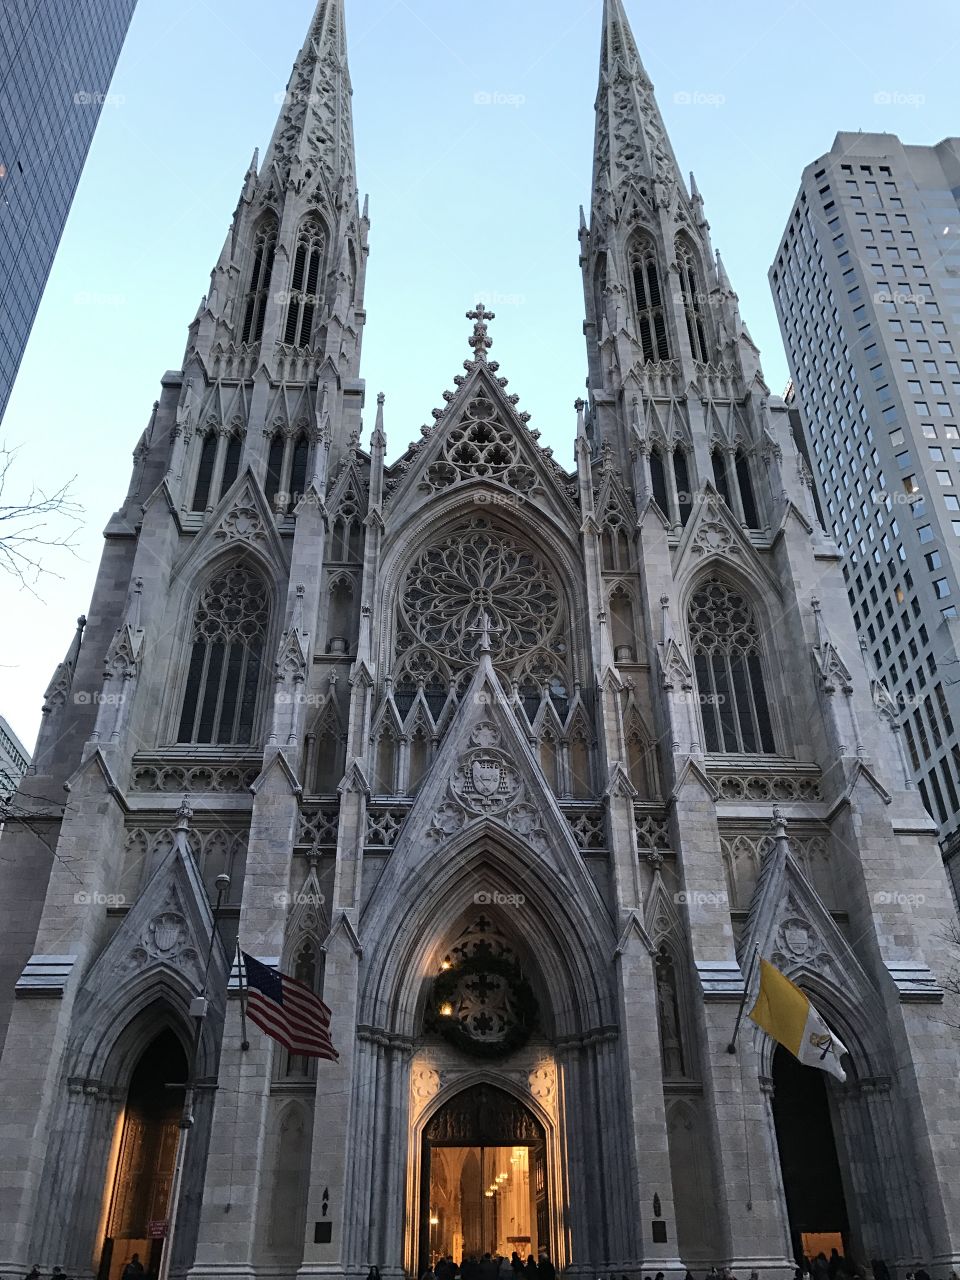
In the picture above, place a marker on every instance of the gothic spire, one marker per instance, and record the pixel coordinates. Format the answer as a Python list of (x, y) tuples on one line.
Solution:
[(631, 144), (314, 135)]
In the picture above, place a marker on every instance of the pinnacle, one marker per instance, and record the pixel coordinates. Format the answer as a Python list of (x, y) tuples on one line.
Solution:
[(618, 41), (631, 144), (315, 129)]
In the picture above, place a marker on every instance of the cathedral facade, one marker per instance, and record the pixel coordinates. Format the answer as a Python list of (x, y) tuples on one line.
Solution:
[(519, 767)]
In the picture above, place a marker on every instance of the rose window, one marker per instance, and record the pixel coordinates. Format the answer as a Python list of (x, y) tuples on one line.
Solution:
[(477, 571)]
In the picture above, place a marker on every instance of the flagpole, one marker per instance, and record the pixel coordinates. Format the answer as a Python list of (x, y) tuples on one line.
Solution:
[(198, 1009), (244, 1042), (732, 1046)]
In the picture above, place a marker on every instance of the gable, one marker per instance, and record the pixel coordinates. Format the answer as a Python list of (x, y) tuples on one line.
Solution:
[(480, 439), (485, 778)]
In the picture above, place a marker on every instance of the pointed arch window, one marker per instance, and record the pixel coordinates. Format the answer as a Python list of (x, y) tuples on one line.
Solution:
[(599, 289), (307, 968), (728, 662), (231, 463), (721, 479), (208, 459), (622, 625), (274, 469), (681, 475), (218, 465), (658, 481), (226, 660), (287, 463), (669, 1016), (648, 299), (691, 290), (751, 515), (642, 762), (261, 272), (304, 283), (298, 469), (581, 774), (387, 760)]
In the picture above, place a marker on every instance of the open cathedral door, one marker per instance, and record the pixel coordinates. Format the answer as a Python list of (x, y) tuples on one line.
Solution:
[(483, 1185)]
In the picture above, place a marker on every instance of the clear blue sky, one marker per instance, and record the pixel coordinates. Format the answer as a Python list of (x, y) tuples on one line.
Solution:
[(467, 200)]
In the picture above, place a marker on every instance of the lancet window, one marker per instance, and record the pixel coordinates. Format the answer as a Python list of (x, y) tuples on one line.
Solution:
[(733, 476), (261, 273), (691, 289), (648, 298), (304, 284), (218, 465), (229, 631), (345, 542), (728, 662), (287, 461), (671, 483)]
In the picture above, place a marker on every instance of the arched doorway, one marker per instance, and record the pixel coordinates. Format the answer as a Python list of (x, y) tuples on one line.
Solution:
[(812, 1181), (138, 1182), (483, 1179)]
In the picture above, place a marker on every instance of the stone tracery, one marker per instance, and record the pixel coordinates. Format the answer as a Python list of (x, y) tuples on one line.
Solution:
[(475, 570)]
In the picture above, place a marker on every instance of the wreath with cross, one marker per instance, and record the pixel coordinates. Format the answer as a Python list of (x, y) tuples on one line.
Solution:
[(484, 1006)]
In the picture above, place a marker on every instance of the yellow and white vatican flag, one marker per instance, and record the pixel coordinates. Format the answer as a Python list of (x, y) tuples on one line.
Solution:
[(786, 1014)]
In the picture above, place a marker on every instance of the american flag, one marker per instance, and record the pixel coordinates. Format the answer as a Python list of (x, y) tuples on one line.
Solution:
[(288, 1011)]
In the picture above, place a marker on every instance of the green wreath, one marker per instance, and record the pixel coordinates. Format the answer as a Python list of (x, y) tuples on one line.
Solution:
[(452, 1029)]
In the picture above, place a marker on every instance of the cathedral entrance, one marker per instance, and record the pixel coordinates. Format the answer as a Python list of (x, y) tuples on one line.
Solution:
[(483, 1179), (808, 1158), (141, 1167)]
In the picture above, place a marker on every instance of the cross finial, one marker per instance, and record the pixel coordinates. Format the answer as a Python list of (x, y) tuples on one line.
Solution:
[(479, 339), (485, 631)]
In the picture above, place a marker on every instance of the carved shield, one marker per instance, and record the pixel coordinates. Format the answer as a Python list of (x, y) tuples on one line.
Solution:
[(167, 931), (487, 775), (797, 938)]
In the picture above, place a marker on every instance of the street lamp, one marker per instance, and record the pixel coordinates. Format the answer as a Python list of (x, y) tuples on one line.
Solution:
[(198, 1011)]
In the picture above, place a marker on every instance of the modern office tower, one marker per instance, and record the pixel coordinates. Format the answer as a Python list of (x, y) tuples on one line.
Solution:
[(867, 289), (519, 767), (14, 760), (57, 59)]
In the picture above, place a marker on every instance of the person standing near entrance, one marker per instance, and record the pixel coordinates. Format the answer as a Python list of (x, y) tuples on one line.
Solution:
[(545, 1268), (134, 1268)]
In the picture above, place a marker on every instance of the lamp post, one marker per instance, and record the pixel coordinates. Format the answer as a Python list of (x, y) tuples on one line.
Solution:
[(198, 1011)]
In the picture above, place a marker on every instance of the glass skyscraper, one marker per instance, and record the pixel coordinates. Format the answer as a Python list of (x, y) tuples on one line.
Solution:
[(867, 289), (57, 59)]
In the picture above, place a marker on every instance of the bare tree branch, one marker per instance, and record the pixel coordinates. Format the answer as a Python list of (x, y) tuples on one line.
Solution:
[(29, 526)]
